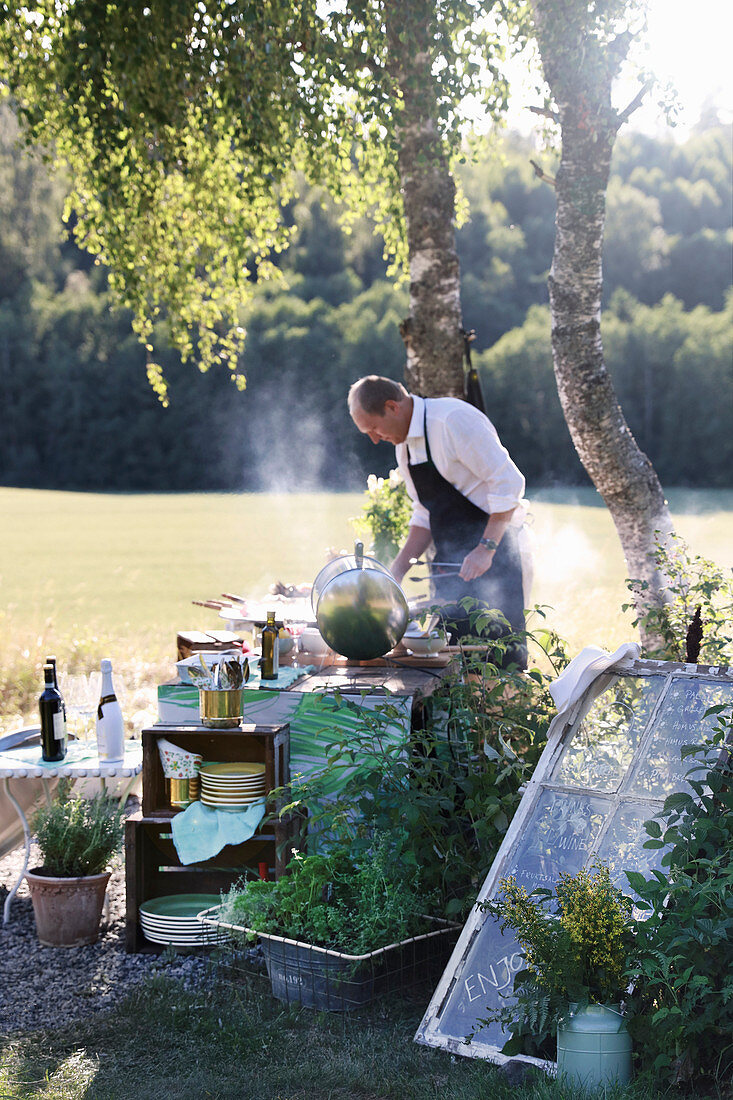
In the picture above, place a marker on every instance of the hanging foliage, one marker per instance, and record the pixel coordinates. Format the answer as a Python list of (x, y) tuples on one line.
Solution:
[(181, 124)]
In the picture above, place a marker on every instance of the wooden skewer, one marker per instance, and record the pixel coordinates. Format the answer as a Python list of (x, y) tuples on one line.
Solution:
[(234, 599)]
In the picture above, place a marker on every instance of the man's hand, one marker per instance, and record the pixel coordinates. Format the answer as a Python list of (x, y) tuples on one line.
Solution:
[(417, 542), (476, 563)]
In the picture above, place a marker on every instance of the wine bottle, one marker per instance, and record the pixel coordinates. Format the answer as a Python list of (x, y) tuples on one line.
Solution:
[(269, 661), (53, 719), (52, 661), (110, 723)]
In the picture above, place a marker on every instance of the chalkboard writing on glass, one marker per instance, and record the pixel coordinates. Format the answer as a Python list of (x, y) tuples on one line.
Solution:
[(609, 764)]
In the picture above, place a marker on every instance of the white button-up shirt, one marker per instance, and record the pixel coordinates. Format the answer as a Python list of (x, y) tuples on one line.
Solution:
[(467, 451)]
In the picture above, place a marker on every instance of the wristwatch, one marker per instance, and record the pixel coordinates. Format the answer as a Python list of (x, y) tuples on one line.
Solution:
[(490, 544)]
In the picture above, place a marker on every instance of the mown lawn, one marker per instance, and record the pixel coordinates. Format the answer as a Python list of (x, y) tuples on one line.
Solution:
[(229, 1043), (87, 575), (127, 566)]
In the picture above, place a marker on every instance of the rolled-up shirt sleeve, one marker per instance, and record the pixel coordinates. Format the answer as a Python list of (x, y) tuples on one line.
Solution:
[(467, 451), (474, 458)]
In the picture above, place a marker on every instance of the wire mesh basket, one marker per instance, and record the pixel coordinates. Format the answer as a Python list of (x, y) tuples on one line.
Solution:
[(302, 973)]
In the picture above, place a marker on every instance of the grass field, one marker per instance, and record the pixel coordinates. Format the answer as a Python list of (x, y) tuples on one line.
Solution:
[(225, 1042), (83, 573), (128, 566)]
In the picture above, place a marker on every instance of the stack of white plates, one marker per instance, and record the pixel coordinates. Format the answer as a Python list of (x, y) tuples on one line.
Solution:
[(232, 787), (172, 920)]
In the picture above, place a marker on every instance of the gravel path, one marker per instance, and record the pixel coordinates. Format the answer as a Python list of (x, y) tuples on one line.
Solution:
[(41, 987)]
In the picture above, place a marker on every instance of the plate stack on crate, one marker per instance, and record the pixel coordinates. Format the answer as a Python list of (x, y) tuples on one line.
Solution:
[(153, 868)]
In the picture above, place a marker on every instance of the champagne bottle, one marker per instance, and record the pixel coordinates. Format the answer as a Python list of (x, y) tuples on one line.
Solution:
[(53, 719), (269, 661), (110, 723)]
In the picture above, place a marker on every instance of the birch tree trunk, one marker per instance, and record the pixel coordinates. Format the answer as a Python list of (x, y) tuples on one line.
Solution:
[(432, 332), (579, 65)]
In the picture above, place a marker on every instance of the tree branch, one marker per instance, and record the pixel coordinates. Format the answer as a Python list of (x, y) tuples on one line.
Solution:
[(618, 49), (635, 102), (542, 175), (546, 113)]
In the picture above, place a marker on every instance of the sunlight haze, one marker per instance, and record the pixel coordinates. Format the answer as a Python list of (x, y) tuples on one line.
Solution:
[(685, 46)]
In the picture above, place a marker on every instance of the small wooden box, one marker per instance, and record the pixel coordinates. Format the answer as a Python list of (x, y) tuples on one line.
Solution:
[(268, 745), (153, 869), (189, 642)]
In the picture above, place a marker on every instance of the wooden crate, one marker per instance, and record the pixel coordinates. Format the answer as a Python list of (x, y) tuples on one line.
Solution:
[(153, 869), (268, 745)]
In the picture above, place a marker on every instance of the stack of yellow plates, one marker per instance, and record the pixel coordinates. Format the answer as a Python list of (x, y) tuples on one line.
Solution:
[(232, 787)]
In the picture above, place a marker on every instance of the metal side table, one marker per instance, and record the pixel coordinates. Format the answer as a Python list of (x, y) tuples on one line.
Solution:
[(21, 761)]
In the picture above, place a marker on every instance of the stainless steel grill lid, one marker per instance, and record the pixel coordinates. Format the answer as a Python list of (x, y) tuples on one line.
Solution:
[(360, 609)]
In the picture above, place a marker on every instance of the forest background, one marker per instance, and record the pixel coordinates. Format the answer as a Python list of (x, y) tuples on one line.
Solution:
[(78, 412)]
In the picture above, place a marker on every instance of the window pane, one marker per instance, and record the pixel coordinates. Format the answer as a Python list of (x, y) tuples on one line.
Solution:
[(563, 831), (601, 748), (487, 978), (622, 848), (680, 722)]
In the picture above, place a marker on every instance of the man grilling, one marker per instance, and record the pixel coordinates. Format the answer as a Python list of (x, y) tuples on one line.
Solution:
[(468, 499)]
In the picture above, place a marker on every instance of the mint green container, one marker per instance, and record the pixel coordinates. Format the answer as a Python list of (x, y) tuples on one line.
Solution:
[(593, 1046)]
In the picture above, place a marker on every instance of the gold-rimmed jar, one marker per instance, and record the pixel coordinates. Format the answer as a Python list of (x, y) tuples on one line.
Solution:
[(220, 708), (180, 794)]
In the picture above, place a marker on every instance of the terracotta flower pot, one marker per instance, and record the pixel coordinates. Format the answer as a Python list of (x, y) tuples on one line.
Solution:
[(67, 910)]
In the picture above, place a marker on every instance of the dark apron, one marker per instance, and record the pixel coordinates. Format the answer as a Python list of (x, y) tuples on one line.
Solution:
[(457, 524)]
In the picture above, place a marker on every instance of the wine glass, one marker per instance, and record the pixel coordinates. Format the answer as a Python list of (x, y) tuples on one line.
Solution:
[(81, 696)]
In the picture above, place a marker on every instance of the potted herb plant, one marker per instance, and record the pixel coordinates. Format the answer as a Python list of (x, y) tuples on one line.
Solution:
[(78, 839), (335, 929), (577, 942)]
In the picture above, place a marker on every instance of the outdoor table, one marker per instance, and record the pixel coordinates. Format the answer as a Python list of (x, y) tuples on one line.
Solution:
[(400, 688), (81, 761), (296, 699)]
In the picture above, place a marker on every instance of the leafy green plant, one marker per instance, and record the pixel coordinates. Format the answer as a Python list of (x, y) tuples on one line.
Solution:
[(692, 582), (336, 901), (446, 795), (496, 702), (77, 836), (386, 517), (683, 979)]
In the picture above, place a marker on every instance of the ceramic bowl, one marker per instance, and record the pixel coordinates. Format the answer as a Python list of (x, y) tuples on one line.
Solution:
[(424, 645), (312, 641)]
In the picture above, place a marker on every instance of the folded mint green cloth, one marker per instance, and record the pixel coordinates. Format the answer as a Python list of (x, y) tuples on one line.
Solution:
[(201, 832), (287, 676)]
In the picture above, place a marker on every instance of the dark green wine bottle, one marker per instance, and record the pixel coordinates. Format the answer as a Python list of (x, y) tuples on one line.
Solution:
[(269, 661), (53, 719), (52, 661)]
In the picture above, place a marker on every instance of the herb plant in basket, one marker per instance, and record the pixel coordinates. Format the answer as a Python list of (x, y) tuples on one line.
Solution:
[(333, 928), (78, 838), (577, 943)]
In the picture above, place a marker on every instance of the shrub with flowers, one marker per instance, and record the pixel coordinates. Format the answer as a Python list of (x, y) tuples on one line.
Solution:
[(580, 953), (577, 942), (386, 516)]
